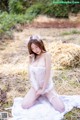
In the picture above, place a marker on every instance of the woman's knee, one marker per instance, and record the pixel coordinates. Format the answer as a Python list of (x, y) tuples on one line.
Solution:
[(61, 106), (26, 106), (61, 109)]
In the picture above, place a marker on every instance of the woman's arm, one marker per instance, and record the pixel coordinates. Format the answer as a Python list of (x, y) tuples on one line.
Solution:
[(48, 70), (31, 74), (47, 73), (30, 61)]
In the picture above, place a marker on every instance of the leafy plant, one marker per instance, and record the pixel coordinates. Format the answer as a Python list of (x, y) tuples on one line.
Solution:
[(16, 6), (57, 10), (35, 9)]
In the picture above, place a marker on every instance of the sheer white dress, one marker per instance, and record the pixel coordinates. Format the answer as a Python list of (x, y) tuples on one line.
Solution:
[(42, 109), (37, 75)]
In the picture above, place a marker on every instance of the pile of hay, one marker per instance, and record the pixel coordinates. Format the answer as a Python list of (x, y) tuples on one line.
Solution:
[(65, 55)]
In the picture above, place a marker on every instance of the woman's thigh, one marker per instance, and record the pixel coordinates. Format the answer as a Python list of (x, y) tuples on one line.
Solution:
[(55, 100), (29, 98)]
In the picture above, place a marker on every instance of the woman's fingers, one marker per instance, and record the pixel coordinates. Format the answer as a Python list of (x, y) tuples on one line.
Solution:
[(39, 92)]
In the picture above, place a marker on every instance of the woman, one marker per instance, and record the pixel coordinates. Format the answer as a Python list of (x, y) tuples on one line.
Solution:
[(40, 76)]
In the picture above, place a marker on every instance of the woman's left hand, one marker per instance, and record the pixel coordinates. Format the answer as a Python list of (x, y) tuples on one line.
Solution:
[(40, 92)]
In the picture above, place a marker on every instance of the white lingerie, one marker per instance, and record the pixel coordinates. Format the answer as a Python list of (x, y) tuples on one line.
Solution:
[(37, 77)]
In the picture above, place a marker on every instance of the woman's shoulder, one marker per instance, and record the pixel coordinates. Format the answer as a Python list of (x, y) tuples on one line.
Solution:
[(47, 54)]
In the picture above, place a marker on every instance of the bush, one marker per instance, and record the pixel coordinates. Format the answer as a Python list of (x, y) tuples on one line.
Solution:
[(75, 8), (18, 6), (3, 5), (8, 21), (35, 9), (57, 10), (15, 6)]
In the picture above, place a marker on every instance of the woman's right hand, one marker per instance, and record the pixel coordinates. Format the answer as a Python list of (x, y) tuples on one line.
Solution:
[(31, 56)]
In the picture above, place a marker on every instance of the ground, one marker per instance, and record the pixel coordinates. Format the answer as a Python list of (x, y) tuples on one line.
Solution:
[(14, 65)]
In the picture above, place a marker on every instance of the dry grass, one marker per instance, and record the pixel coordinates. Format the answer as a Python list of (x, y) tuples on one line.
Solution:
[(44, 18), (65, 55)]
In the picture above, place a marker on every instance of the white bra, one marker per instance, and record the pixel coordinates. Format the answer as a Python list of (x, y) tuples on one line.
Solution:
[(38, 67), (40, 64)]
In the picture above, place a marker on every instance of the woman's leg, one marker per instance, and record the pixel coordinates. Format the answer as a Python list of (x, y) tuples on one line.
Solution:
[(29, 98), (55, 101)]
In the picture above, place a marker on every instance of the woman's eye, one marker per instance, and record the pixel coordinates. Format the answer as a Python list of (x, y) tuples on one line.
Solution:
[(34, 48)]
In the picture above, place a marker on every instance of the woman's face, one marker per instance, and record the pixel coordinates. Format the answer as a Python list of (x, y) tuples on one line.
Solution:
[(35, 48)]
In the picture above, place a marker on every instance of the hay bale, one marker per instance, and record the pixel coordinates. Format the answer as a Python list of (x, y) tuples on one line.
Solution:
[(65, 54)]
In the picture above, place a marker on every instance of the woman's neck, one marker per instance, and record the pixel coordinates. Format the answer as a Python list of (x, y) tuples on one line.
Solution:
[(40, 55)]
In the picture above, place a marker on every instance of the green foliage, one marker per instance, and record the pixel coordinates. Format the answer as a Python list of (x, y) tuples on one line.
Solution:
[(35, 9), (72, 115), (8, 21), (53, 10), (18, 6), (58, 11), (3, 5), (75, 8), (15, 6)]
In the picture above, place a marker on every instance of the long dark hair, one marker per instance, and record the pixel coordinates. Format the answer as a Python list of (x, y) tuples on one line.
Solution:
[(37, 42)]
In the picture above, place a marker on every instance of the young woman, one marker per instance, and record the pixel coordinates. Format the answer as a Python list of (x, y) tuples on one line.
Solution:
[(40, 76)]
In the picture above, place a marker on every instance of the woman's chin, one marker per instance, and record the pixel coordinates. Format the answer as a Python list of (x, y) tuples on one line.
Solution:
[(38, 53)]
